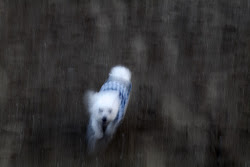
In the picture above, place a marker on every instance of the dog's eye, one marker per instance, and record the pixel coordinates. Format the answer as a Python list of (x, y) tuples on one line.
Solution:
[(100, 110), (110, 110)]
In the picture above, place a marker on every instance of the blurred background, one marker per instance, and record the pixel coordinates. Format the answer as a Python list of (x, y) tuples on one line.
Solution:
[(190, 101)]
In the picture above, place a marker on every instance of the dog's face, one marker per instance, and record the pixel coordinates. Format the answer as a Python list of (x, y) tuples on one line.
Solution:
[(105, 106)]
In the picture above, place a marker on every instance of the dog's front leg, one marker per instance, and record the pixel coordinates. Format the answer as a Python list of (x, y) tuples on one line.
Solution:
[(111, 128), (97, 129)]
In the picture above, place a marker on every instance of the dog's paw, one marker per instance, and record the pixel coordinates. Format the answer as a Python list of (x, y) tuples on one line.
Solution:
[(98, 135), (91, 145)]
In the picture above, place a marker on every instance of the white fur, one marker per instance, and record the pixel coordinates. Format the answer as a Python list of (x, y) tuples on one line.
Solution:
[(104, 104), (120, 72)]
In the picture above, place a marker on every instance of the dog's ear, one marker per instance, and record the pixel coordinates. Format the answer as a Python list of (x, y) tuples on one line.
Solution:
[(89, 98)]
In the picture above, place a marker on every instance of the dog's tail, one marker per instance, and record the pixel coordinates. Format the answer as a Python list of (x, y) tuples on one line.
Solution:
[(120, 72)]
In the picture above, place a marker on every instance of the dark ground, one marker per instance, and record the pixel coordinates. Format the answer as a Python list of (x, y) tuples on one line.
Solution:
[(190, 102)]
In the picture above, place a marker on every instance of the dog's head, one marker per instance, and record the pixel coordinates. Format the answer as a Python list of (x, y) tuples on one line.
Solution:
[(104, 106)]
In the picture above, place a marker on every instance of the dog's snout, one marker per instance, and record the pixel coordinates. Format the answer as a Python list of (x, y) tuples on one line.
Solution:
[(104, 119)]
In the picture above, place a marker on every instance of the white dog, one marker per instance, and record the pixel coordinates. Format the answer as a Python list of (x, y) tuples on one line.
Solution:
[(108, 106)]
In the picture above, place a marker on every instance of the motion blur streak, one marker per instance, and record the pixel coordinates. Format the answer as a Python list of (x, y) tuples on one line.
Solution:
[(190, 103)]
